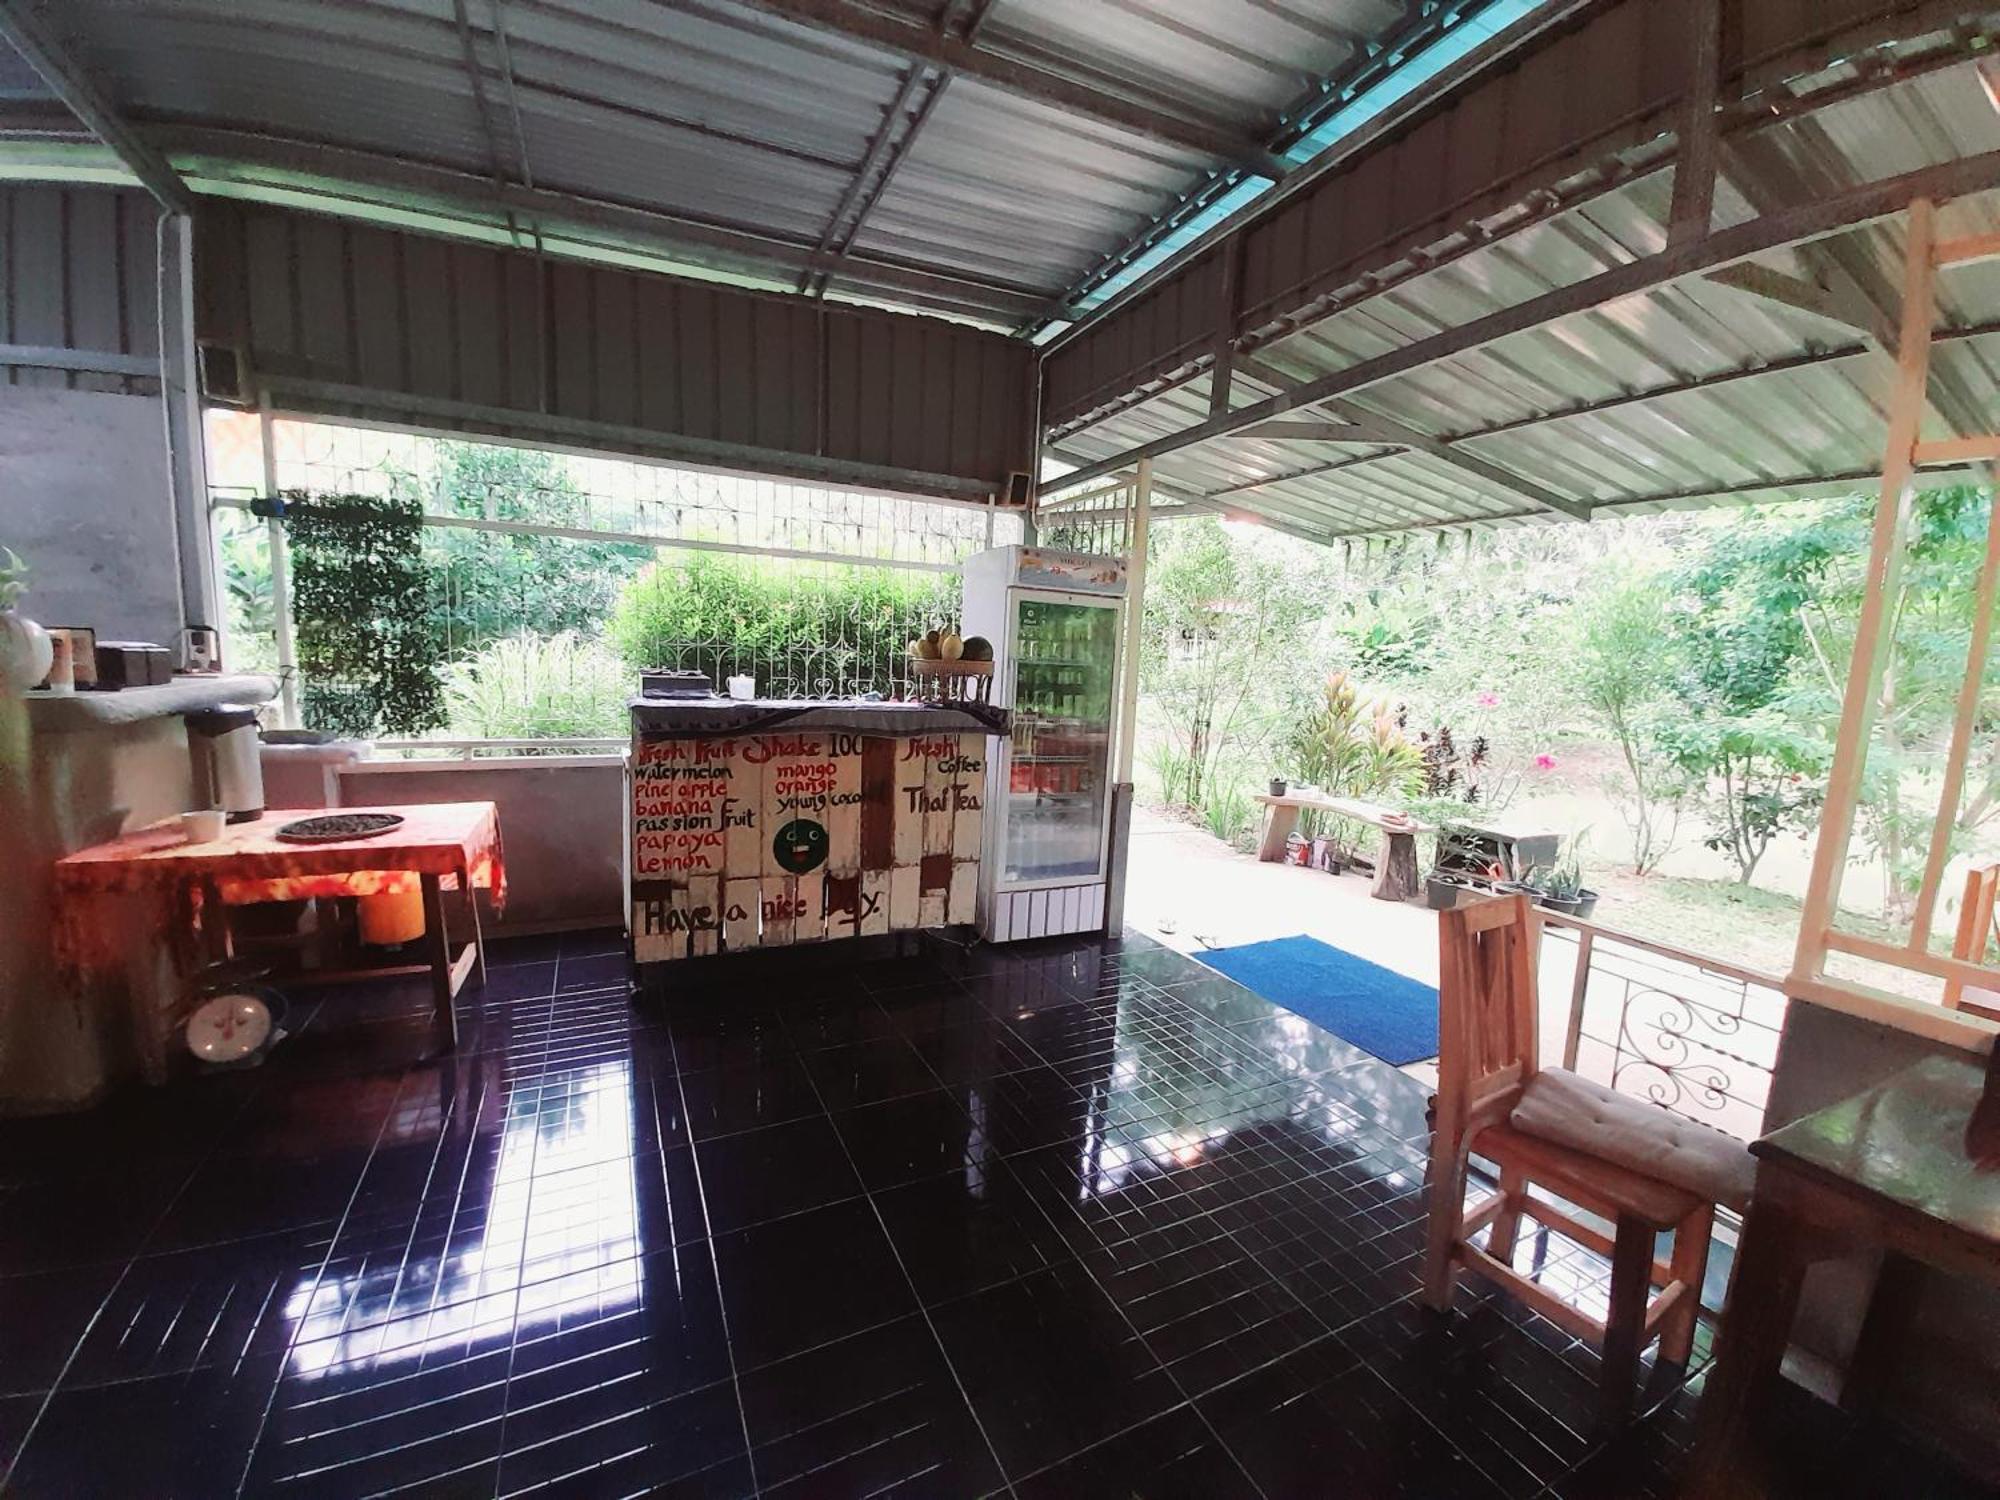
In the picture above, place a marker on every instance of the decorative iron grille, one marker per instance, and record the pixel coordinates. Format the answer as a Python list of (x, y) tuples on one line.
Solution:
[(1097, 522), (1693, 1034), (556, 576)]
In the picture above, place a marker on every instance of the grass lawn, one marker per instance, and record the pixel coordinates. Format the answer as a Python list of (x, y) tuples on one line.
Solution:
[(1743, 924)]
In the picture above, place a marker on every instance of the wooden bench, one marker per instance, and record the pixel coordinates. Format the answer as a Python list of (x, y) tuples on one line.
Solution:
[(1395, 867)]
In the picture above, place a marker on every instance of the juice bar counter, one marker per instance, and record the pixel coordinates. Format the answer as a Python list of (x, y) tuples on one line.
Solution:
[(763, 823)]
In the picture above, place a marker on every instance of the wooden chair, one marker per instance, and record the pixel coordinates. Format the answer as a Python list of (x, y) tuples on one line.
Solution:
[(1550, 1128), (1975, 935)]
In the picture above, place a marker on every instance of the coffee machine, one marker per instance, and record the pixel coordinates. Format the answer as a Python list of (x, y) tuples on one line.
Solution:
[(228, 768)]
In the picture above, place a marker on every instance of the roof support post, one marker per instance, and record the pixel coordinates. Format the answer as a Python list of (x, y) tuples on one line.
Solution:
[(1135, 605), (1694, 170), (1228, 308), (1885, 560)]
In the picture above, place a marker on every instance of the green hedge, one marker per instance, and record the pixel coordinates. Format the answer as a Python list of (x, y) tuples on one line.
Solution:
[(798, 629)]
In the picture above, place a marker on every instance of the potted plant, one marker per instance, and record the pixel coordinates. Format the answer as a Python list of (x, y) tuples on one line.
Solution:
[(1561, 889), (25, 648), (1277, 786), (1443, 892)]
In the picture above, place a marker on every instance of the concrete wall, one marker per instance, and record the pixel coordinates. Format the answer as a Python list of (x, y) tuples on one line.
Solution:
[(1944, 1386), (86, 500), (562, 829)]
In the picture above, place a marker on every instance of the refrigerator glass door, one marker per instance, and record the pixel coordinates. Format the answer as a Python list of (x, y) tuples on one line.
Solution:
[(1059, 762)]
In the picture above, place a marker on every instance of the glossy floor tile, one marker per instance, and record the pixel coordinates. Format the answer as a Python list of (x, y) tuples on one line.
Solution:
[(1071, 1219)]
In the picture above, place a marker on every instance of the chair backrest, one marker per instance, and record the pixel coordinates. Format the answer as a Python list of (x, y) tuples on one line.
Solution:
[(1975, 935), (1486, 1011)]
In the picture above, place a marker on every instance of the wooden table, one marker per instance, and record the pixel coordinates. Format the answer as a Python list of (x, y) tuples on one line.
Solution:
[(1396, 866), (1884, 1169), (439, 844)]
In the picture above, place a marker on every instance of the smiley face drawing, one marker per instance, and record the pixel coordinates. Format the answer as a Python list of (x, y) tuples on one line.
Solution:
[(800, 846)]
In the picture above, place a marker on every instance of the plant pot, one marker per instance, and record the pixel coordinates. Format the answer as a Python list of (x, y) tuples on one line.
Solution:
[(1586, 903), (1277, 786), (25, 652), (1565, 906), (1443, 895)]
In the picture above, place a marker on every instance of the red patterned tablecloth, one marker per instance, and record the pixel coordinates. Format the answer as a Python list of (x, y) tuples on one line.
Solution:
[(457, 840)]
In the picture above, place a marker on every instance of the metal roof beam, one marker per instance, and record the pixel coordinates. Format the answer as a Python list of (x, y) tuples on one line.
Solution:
[(1312, 432), (1856, 285), (1831, 214), (45, 53), (889, 166), (1704, 385), (871, 161), (671, 233), (915, 42), (1357, 426), (1814, 298), (1491, 474)]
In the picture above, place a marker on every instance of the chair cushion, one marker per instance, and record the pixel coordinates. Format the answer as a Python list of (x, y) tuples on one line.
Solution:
[(1568, 1110)]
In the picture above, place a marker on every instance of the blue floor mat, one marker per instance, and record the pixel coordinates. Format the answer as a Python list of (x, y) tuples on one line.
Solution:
[(1380, 1011)]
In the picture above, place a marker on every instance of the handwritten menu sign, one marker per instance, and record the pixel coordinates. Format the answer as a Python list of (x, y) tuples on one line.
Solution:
[(763, 840)]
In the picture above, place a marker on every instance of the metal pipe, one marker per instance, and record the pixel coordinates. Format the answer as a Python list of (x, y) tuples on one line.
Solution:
[(642, 539), (281, 582)]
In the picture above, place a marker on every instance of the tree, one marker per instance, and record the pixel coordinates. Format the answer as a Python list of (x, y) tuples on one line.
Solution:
[(1760, 776), (1737, 637), (488, 586), (1625, 678), (1778, 599), (1223, 650)]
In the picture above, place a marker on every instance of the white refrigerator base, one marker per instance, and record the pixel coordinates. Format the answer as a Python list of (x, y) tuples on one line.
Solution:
[(1050, 912)]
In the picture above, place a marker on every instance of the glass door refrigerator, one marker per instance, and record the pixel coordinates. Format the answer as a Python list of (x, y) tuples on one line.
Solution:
[(1054, 620)]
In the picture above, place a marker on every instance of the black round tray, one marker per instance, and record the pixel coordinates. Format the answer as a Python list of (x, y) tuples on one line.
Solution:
[(338, 828)]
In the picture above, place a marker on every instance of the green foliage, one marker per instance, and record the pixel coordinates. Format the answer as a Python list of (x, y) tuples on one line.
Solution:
[(1228, 811), (366, 648), (13, 577), (1760, 776), (526, 687), (798, 631), (1224, 649), (243, 550), (1349, 748), (487, 585), (1170, 768), (1626, 676), (1766, 633)]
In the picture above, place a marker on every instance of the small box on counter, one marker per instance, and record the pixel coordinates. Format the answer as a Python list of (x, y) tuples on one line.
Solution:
[(82, 652), (129, 664), (659, 682)]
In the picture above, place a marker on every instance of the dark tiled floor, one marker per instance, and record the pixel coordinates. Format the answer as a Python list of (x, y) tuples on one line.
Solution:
[(1077, 1219)]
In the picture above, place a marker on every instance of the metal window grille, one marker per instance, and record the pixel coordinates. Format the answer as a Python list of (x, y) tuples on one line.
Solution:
[(812, 591)]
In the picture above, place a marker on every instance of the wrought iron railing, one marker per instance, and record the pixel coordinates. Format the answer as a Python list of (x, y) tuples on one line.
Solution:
[(1696, 1034)]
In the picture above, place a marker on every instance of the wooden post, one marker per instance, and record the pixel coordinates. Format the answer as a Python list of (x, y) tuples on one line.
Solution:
[(1885, 559), (1695, 160), (1579, 996), (1969, 693)]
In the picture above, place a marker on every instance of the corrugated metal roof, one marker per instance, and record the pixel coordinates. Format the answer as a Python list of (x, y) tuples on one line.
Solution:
[(752, 117), (1693, 391)]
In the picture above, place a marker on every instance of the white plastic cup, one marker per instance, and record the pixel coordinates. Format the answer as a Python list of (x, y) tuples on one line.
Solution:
[(743, 689), (203, 827)]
